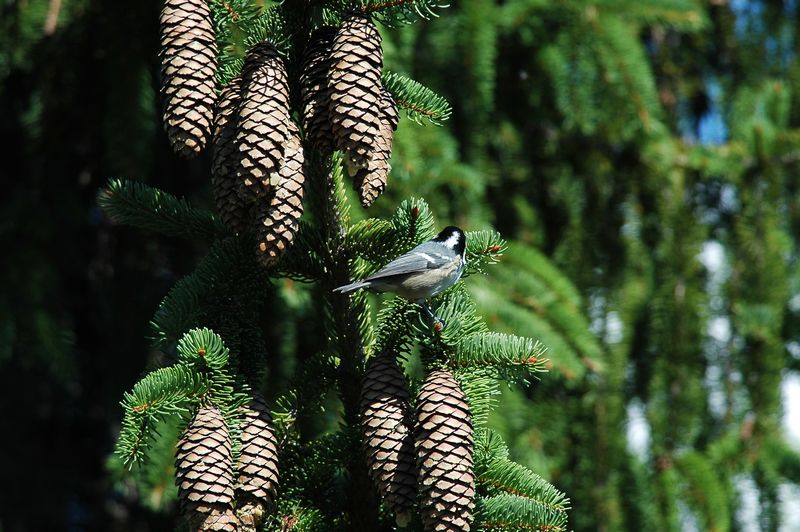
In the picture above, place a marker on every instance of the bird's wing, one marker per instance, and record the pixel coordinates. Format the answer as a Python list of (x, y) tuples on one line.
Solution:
[(414, 261)]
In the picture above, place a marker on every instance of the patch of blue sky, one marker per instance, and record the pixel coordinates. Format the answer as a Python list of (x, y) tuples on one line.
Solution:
[(711, 129)]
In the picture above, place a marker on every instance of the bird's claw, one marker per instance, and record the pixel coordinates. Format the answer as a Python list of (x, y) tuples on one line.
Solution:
[(438, 323)]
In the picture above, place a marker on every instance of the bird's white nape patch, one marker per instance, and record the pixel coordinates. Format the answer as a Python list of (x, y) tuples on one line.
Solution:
[(453, 240), (425, 256)]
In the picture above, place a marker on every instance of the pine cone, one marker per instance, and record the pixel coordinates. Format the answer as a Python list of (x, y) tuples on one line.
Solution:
[(257, 486), (444, 454), (225, 158), (278, 219), (386, 426), (219, 520), (204, 471), (188, 64), (263, 115), (354, 83), (314, 89), (371, 181)]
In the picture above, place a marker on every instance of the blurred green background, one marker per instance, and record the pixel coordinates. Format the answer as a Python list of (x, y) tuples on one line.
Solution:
[(641, 155)]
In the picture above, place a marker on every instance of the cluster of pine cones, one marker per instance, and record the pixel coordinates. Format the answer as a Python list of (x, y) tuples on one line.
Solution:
[(257, 160), (258, 176), (431, 455), (204, 470)]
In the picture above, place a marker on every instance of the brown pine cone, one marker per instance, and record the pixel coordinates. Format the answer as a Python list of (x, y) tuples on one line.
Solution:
[(225, 158), (314, 89), (444, 449), (221, 519), (386, 427), (371, 181), (204, 467), (188, 65), (263, 118), (278, 219), (257, 486), (354, 84)]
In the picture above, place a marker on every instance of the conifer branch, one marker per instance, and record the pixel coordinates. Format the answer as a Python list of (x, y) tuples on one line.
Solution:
[(489, 445), (420, 102), (503, 475), (394, 331), (302, 261), (392, 13), (136, 204), (483, 248), (481, 388), (230, 18), (499, 350), (704, 491), (165, 391), (509, 512), (456, 308), (203, 348), (229, 264), (270, 26), (201, 375)]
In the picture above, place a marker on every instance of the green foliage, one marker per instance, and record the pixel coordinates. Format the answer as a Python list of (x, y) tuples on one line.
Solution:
[(397, 12), (483, 248), (136, 204), (509, 512), (499, 350), (622, 145), (420, 102), (216, 289), (163, 392), (532, 297), (153, 478), (531, 502), (201, 376), (704, 490)]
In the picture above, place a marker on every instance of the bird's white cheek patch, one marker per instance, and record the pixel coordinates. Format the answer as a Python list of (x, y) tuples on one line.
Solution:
[(452, 240)]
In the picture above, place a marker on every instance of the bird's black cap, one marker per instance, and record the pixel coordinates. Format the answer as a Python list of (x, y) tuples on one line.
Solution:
[(453, 237)]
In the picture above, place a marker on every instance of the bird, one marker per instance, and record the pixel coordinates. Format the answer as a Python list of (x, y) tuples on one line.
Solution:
[(423, 272)]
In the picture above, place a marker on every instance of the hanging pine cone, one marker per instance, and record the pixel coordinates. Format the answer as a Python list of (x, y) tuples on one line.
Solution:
[(204, 472), (277, 220), (263, 115), (354, 83), (444, 454), (225, 158), (257, 486), (386, 426), (188, 64), (314, 89), (371, 181)]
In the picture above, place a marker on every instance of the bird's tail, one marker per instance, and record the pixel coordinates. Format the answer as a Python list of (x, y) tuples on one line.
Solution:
[(351, 287)]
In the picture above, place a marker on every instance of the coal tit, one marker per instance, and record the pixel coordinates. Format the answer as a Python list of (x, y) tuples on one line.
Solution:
[(423, 272)]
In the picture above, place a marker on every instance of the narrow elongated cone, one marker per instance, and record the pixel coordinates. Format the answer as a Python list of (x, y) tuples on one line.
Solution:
[(278, 219), (257, 485), (204, 472), (354, 84), (188, 65), (263, 117), (371, 181), (314, 96), (225, 158), (387, 438), (444, 447)]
